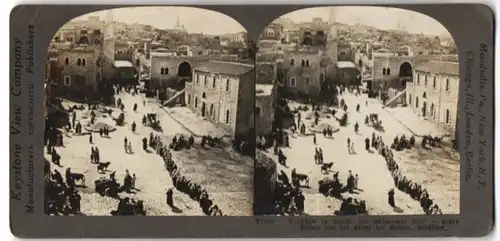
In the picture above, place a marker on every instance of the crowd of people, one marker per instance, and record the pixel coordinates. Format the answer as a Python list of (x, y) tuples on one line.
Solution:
[(415, 190), (195, 191), (61, 198)]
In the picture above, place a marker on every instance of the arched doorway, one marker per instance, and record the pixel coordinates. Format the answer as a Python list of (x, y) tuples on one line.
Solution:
[(184, 72), (83, 40), (432, 111), (212, 110), (307, 41), (203, 104), (424, 108), (405, 73), (203, 108)]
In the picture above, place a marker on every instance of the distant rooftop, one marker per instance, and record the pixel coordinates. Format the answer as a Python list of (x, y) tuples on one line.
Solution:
[(439, 67), (221, 67), (122, 64), (345, 64)]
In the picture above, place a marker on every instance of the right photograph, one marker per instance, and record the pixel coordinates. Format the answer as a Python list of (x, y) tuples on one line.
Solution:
[(356, 113)]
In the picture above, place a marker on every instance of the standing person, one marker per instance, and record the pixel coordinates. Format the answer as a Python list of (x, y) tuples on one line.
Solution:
[(91, 141), (134, 178), (390, 195), (299, 202), (170, 201), (133, 127), (314, 139), (352, 151), (349, 145), (130, 147), (97, 155), (356, 181), (125, 146), (367, 143)]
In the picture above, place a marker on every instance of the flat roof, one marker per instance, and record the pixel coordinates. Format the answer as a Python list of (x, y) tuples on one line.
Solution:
[(345, 64), (263, 89), (222, 67), (122, 63), (439, 67)]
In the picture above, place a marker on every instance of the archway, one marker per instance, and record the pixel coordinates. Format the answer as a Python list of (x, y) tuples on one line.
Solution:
[(212, 110), (432, 111), (83, 40), (185, 70), (203, 108), (203, 95), (424, 108), (307, 41), (405, 73)]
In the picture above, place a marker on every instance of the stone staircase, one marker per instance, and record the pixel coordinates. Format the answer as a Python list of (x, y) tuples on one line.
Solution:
[(396, 99), (172, 101)]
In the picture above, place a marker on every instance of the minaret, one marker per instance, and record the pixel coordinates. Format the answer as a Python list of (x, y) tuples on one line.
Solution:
[(332, 31), (109, 36), (178, 22), (331, 45)]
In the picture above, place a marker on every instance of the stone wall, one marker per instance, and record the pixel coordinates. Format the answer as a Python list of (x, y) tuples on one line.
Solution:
[(303, 79), (218, 98), (265, 178), (439, 101)]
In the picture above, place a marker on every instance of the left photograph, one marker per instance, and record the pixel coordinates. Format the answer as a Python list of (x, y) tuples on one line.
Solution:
[(149, 111)]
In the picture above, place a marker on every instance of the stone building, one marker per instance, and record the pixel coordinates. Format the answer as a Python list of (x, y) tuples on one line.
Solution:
[(124, 51), (124, 73), (433, 93), (79, 73), (265, 96), (344, 51), (223, 93), (312, 37), (272, 31), (347, 73), (265, 103), (170, 71), (304, 71)]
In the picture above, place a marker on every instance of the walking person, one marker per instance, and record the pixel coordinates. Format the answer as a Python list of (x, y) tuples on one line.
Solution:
[(130, 148), (125, 145), (349, 145), (390, 200)]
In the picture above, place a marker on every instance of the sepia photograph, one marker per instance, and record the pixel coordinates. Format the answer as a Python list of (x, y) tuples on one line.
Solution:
[(356, 114), (149, 111)]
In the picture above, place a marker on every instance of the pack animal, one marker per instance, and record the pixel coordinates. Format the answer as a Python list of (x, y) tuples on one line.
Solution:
[(103, 166)]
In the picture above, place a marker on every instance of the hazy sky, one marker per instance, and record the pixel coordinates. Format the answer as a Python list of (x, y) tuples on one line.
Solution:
[(379, 17), (210, 22), (195, 20)]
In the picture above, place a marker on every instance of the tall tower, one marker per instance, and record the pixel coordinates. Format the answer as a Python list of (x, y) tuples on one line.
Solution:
[(331, 48), (178, 22), (332, 31), (109, 37)]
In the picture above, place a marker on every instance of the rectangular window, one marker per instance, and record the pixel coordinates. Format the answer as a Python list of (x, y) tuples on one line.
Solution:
[(292, 81), (67, 80)]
